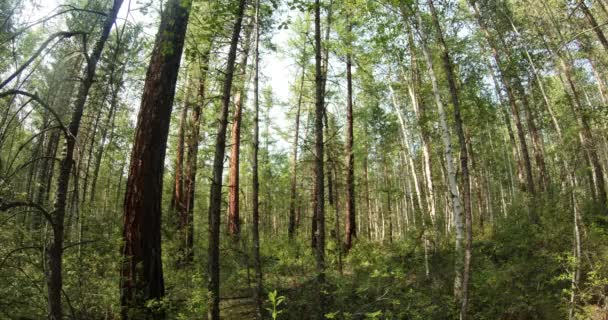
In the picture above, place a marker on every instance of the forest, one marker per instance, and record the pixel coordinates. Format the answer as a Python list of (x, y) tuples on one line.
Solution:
[(304, 159)]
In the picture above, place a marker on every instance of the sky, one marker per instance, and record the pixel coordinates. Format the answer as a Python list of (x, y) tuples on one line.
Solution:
[(276, 70)]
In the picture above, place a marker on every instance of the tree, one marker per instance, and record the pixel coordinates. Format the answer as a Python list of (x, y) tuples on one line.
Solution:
[(350, 222), (215, 195), (142, 273), (319, 196), (258, 291), (234, 224), (54, 249)]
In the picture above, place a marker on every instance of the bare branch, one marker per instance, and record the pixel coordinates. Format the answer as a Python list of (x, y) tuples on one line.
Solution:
[(62, 35), (8, 255), (5, 206), (36, 98)]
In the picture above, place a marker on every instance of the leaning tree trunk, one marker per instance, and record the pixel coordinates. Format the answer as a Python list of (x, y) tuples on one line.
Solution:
[(54, 250), (585, 135), (506, 81), (594, 25), (141, 273), (215, 194)]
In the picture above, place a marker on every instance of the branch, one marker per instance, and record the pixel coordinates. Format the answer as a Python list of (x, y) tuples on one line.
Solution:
[(36, 98), (43, 20), (8, 255), (71, 245), (5, 206), (62, 34)]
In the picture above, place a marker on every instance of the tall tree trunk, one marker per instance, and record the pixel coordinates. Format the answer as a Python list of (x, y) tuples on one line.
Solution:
[(462, 296), (507, 84), (54, 250), (257, 263), (291, 228), (116, 82), (319, 190), (234, 224), (141, 274), (215, 194), (178, 202), (539, 81), (419, 110), (368, 212), (350, 222), (177, 198), (585, 134), (320, 88), (187, 237), (461, 257)]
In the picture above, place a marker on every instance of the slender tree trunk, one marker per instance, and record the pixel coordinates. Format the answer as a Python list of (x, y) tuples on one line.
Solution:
[(177, 199), (419, 109), (368, 207), (109, 122), (291, 228), (187, 239), (234, 224), (54, 250), (539, 81), (594, 25), (462, 296), (350, 222), (257, 263), (319, 189), (215, 194), (141, 274), (461, 257), (507, 84), (585, 135)]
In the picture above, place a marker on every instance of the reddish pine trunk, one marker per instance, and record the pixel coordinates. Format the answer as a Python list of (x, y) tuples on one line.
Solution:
[(177, 198), (141, 274), (234, 224)]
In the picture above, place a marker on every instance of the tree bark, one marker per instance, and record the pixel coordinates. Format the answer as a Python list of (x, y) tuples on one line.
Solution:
[(462, 254), (507, 84), (54, 250), (291, 228), (215, 194), (319, 190), (257, 262), (177, 199), (187, 236), (350, 222), (596, 28), (234, 224), (141, 274)]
